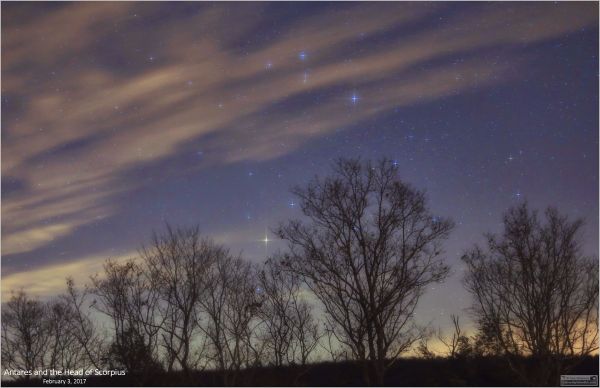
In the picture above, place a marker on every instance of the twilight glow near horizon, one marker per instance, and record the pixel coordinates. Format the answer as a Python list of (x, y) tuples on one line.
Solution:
[(118, 117)]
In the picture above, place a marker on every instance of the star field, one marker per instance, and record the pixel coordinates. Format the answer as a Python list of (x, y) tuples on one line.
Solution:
[(119, 117)]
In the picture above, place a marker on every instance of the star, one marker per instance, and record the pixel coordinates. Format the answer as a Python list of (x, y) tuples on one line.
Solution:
[(354, 98), (266, 241), (302, 55), (269, 65)]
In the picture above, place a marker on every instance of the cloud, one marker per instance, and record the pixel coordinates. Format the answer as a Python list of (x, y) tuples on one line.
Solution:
[(33, 238), (110, 87), (51, 280)]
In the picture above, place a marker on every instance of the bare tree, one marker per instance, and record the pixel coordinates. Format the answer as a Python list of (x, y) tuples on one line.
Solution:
[(231, 306), (423, 349), (178, 262), (213, 306), (65, 350), (368, 251), (332, 346), (82, 326), (128, 296), (291, 333), (277, 289), (55, 334), (536, 291), (241, 316), (26, 334), (307, 332), (459, 344), (485, 341)]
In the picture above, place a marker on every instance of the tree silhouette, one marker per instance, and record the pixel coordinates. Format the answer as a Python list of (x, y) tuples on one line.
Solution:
[(178, 262), (459, 345), (290, 332), (128, 296), (56, 334), (131, 351), (536, 292), (423, 350), (65, 350), (81, 325), (368, 250), (26, 333), (485, 341), (231, 307)]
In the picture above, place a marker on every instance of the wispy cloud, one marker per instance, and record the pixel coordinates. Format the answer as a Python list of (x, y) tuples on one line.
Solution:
[(51, 280), (83, 123)]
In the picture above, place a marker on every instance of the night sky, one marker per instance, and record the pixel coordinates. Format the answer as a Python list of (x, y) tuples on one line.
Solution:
[(119, 117)]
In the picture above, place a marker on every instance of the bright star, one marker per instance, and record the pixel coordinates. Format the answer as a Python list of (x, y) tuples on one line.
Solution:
[(266, 241), (302, 55), (354, 98)]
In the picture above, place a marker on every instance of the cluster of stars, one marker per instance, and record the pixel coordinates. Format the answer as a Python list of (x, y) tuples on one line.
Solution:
[(303, 56)]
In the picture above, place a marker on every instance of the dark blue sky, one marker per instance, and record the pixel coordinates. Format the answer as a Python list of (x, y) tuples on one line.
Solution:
[(118, 117)]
